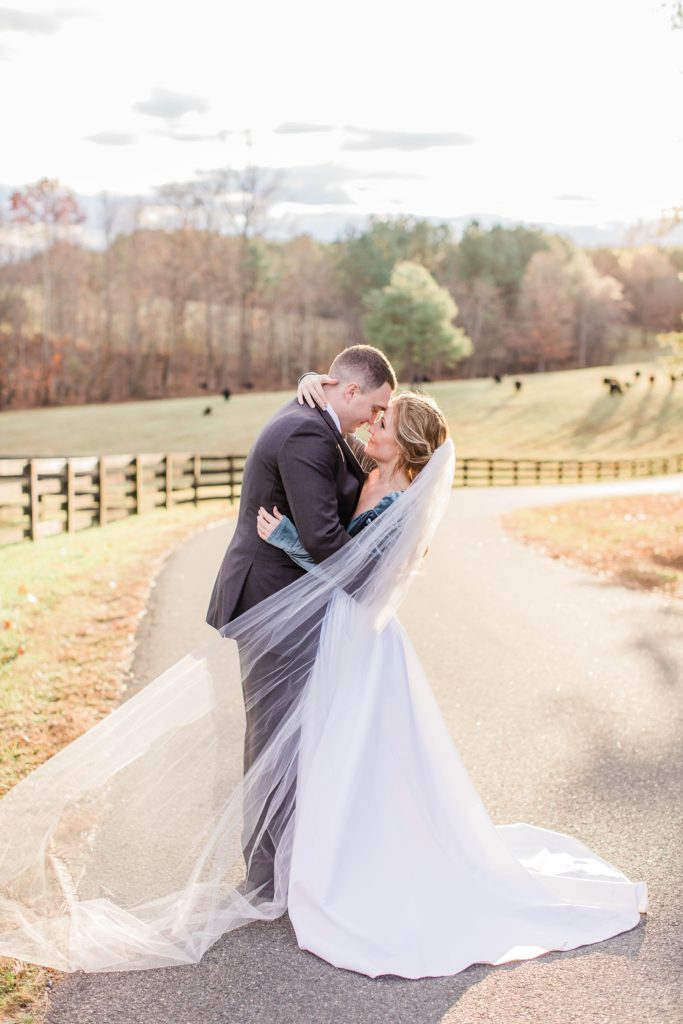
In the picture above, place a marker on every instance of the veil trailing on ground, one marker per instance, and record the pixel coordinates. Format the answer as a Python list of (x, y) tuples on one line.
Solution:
[(127, 849)]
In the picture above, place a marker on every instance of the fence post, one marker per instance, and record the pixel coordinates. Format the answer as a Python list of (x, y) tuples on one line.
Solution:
[(138, 485), (231, 480), (465, 464), (196, 474), (169, 481), (102, 473), (34, 509), (70, 495)]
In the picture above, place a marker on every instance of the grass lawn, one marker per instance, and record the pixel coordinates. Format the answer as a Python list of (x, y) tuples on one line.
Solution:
[(69, 608), (564, 414), (632, 541)]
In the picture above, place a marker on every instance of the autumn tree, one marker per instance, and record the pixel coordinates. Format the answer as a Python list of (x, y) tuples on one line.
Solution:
[(598, 304), (177, 265), (210, 202), (411, 319), (305, 286), (133, 290), (254, 192), (545, 314), (13, 316), (481, 312), (653, 289), (51, 210)]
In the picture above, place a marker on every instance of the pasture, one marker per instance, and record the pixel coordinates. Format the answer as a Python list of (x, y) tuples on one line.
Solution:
[(566, 414)]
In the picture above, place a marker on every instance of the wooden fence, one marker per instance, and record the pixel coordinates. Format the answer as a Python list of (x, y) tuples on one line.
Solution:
[(42, 496), (484, 472)]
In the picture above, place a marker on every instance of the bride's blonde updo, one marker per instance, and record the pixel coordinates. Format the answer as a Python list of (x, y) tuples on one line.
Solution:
[(419, 427)]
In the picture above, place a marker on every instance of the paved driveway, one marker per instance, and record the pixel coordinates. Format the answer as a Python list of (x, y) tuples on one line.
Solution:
[(564, 696)]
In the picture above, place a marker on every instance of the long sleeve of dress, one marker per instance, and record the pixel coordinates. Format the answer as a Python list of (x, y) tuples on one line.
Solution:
[(286, 537)]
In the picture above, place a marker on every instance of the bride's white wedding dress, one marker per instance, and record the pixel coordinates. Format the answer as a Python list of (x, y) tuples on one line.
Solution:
[(396, 866), (124, 851)]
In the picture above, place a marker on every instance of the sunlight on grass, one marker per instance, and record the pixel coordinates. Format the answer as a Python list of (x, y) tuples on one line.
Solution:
[(565, 414), (633, 541)]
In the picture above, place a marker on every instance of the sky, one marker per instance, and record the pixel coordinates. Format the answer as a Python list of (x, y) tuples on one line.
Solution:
[(534, 111)]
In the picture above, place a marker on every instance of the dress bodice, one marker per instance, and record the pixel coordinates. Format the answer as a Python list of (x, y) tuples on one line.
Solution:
[(360, 521)]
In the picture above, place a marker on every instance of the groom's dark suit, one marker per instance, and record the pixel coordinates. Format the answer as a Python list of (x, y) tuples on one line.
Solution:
[(301, 463)]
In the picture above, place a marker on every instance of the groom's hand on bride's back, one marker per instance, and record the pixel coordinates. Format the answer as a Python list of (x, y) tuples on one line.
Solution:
[(311, 389)]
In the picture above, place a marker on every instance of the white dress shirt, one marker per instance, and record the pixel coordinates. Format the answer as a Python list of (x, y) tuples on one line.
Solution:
[(335, 418)]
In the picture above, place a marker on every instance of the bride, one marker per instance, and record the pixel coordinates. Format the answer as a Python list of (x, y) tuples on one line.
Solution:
[(125, 850)]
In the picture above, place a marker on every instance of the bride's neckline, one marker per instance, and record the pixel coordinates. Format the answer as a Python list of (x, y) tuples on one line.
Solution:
[(396, 490)]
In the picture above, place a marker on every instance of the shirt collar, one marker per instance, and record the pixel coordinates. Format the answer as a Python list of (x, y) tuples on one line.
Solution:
[(334, 416)]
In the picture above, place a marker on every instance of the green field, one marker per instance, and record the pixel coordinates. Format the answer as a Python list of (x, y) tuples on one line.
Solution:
[(564, 414)]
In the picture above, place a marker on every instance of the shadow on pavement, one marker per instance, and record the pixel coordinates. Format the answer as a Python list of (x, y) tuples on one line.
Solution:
[(259, 974)]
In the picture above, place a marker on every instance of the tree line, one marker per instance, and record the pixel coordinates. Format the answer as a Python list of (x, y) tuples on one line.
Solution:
[(203, 299)]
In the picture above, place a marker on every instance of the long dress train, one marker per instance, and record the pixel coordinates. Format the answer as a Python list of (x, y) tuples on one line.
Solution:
[(396, 866)]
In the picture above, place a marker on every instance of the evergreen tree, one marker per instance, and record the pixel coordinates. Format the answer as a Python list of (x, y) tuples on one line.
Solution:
[(411, 319)]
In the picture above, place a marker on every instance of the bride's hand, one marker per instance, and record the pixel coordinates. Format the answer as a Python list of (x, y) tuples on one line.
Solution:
[(266, 523), (311, 389)]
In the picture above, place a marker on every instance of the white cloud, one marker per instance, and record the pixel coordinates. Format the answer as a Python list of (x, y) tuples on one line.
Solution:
[(43, 22), (377, 138), (171, 105), (112, 138)]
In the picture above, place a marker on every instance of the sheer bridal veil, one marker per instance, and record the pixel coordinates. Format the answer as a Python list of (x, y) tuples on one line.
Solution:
[(126, 850)]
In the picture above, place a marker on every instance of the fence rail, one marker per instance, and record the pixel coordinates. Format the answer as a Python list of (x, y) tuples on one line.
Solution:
[(484, 472), (42, 496)]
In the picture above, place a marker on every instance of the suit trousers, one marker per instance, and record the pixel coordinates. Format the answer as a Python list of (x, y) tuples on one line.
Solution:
[(292, 669)]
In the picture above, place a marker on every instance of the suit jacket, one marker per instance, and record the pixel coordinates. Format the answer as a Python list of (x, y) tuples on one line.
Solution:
[(301, 463)]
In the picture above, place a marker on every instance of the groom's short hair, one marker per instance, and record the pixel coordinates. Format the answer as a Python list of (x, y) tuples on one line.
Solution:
[(367, 365)]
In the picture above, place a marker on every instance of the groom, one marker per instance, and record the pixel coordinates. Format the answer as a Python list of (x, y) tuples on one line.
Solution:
[(301, 463)]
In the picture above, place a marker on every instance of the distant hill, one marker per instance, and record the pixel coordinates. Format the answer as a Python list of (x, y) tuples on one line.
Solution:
[(328, 225)]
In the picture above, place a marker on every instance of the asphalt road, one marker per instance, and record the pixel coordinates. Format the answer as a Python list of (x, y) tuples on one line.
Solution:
[(563, 694)]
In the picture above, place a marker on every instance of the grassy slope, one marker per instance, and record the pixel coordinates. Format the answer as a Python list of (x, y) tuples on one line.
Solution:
[(556, 414)]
